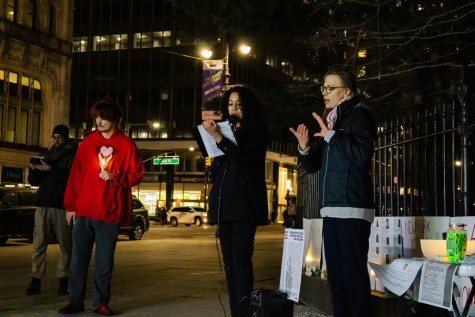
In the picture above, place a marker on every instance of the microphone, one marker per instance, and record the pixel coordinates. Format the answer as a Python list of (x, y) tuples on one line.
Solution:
[(232, 119)]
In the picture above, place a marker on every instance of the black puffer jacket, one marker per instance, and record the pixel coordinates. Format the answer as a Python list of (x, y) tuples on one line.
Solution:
[(345, 162), (239, 184), (52, 184)]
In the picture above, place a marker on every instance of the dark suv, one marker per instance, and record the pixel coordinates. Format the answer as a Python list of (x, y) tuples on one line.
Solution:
[(17, 215), (140, 224), (17, 212)]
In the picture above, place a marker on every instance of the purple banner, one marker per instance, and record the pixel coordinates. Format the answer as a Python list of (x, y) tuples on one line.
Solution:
[(213, 79)]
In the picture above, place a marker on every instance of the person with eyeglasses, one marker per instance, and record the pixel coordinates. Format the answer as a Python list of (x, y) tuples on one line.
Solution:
[(51, 172), (342, 152), (238, 198)]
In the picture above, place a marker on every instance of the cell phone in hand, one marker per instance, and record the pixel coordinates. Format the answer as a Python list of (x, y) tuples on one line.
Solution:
[(36, 160)]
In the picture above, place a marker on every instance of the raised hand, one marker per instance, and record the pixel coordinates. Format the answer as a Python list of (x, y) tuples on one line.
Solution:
[(302, 136)]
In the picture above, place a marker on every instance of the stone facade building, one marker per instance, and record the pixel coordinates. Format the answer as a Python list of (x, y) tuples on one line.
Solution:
[(35, 72)]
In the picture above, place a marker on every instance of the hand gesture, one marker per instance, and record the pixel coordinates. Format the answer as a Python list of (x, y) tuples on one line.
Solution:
[(302, 136), (302, 132), (324, 128)]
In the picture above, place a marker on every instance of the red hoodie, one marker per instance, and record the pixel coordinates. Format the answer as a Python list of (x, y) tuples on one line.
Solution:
[(91, 197)]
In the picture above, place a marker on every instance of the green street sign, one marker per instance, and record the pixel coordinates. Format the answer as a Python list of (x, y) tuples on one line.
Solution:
[(167, 160)]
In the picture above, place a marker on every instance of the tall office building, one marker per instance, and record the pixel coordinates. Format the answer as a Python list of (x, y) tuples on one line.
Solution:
[(146, 55)]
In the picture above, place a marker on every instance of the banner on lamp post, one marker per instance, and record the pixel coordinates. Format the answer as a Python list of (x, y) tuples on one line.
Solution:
[(213, 79)]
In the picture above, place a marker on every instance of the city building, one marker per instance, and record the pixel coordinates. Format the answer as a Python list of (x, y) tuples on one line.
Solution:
[(35, 72), (147, 55)]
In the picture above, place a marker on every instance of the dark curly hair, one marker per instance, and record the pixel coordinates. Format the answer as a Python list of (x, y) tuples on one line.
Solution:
[(251, 106)]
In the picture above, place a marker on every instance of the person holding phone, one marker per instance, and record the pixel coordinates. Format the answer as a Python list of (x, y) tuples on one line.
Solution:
[(51, 172)]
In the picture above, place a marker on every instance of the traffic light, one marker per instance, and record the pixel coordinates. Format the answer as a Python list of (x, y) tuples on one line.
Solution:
[(208, 161)]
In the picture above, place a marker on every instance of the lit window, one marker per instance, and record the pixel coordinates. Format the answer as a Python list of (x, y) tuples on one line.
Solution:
[(37, 92), (25, 87), (11, 9), (101, 43), (80, 44), (119, 41)]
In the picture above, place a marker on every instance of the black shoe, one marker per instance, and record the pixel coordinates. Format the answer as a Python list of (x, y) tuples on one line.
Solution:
[(71, 309), (35, 286), (63, 288)]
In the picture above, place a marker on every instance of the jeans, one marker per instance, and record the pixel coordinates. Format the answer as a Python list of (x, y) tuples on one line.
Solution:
[(237, 246), (86, 232)]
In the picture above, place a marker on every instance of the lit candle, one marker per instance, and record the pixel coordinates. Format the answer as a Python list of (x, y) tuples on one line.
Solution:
[(103, 164)]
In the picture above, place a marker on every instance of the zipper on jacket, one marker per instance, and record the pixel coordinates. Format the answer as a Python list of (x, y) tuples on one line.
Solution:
[(325, 177)]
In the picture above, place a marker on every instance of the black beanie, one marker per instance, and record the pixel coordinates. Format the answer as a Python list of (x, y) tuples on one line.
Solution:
[(61, 129)]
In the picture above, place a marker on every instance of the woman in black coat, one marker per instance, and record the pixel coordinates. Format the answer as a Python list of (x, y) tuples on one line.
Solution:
[(342, 152), (238, 198)]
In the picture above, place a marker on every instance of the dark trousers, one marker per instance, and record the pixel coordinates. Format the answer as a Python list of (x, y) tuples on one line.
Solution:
[(237, 246), (86, 232), (346, 254)]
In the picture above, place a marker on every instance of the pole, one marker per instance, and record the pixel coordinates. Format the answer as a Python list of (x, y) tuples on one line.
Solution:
[(226, 66), (464, 130), (206, 187)]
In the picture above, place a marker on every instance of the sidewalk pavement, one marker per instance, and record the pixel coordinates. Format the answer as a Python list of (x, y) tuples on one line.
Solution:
[(172, 272)]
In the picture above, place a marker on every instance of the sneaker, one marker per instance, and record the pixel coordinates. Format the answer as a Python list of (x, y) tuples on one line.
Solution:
[(104, 310), (35, 286), (63, 288), (71, 309)]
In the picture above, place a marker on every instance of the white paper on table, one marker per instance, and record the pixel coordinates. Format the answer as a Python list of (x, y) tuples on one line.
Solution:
[(436, 284), (291, 269), (399, 275), (210, 143)]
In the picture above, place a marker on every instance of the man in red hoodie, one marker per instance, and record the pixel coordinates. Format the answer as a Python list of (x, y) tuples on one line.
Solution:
[(98, 199)]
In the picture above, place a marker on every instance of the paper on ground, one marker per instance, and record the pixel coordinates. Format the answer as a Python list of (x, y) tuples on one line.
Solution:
[(291, 270)]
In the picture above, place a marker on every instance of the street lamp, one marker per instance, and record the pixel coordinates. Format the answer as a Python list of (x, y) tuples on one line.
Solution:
[(207, 53)]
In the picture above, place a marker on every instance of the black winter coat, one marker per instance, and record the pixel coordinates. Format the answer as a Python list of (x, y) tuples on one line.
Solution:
[(239, 184), (52, 184), (345, 162)]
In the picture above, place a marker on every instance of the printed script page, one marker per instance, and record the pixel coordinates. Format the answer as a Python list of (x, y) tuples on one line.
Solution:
[(210, 143), (399, 275), (436, 284), (291, 271)]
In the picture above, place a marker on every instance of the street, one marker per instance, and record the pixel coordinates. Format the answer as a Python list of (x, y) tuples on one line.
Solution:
[(172, 271)]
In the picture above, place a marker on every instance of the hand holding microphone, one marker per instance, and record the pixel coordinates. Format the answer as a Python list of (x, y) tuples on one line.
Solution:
[(233, 120)]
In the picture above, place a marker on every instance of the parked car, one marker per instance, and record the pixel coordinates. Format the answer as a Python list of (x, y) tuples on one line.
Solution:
[(17, 212), (187, 215), (17, 215), (140, 223)]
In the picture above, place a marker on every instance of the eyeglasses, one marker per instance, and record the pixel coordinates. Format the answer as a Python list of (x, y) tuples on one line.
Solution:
[(329, 89)]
